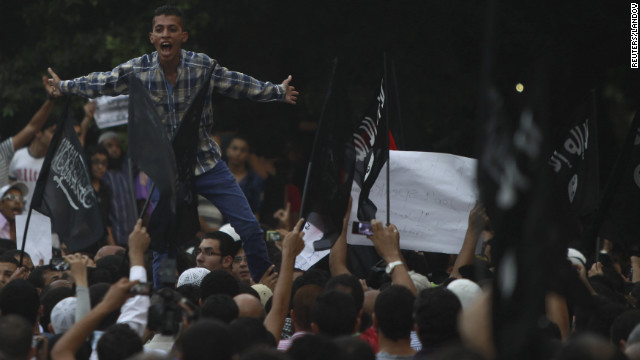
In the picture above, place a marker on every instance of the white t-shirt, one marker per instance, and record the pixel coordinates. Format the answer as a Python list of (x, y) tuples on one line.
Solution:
[(25, 168)]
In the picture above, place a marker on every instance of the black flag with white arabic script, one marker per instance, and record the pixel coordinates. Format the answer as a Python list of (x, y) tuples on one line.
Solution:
[(575, 161), (64, 192)]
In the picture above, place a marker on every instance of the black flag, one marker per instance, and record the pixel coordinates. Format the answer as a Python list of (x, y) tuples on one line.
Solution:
[(64, 192), (330, 169), (166, 229), (371, 142), (575, 161), (149, 144), (621, 196)]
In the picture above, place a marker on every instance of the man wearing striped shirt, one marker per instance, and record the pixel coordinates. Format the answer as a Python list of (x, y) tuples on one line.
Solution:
[(173, 77)]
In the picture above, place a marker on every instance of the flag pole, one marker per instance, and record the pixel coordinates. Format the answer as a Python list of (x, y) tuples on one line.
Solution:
[(386, 136), (315, 140), (24, 236)]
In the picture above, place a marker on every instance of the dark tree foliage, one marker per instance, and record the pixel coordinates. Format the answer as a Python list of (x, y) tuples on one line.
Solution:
[(436, 47)]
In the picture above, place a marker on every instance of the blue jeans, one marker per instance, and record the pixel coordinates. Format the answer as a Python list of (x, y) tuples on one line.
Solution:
[(219, 186)]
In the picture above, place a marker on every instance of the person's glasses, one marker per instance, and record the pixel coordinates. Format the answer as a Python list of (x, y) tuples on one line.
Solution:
[(14, 197), (207, 252), (99, 162), (238, 259)]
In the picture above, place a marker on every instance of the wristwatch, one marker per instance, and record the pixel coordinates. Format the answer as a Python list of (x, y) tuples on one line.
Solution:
[(391, 266)]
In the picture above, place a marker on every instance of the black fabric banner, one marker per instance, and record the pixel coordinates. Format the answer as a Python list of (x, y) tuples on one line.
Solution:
[(149, 144), (621, 196), (330, 172), (64, 192), (166, 228), (575, 161)]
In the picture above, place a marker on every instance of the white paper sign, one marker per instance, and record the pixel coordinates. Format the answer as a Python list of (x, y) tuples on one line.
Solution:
[(111, 111), (431, 195), (38, 243), (308, 256)]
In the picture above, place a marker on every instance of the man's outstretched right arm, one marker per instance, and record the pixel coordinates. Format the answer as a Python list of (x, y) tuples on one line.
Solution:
[(95, 84)]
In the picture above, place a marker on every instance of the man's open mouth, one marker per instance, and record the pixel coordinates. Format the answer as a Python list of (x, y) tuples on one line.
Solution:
[(165, 46)]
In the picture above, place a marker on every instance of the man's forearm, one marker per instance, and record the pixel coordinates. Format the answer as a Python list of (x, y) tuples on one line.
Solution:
[(35, 124)]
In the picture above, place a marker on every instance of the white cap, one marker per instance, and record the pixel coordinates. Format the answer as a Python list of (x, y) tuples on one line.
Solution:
[(420, 281), (466, 291), (192, 276), (263, 291), (22, 187), (228, 229), (576, 257), (63, 315)]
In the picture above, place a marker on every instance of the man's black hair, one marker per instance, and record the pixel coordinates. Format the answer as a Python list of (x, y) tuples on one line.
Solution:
[(221, 307), (227, 244), (36, 276), (205, 337), (262, 353), (118, 342), (354, 348), (190, 291), (218, 282), (351, 285), (96, 149), (394, 312), (168, 10), (249, 333), (15, 336), (116, 265), (14, 252), (436, 314), (314, 347), (335, 313), (49, 298), (312, 276), (20, 297), (8, 259), (623, 325), (244, 288)]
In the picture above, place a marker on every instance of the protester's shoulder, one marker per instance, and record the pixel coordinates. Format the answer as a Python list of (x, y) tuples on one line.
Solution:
[(196, 59)]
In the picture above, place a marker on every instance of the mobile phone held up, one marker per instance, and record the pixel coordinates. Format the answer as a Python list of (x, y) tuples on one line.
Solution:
[(59, 264), (361, 228)]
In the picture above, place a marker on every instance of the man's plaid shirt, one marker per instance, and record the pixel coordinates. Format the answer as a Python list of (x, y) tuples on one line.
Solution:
[(171, 105)]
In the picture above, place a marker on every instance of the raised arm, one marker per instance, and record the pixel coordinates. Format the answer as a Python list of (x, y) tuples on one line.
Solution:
[(70, 342), (35, 124), (292, 245), (386, 240), (477, 221), (338, 254)]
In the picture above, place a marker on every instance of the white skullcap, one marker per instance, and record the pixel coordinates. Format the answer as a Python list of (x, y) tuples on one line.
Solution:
[(420, 281), (63, 315), (576, 257), (192, 276), (107, 135), (466, 291), (264, 292), (228, 229)]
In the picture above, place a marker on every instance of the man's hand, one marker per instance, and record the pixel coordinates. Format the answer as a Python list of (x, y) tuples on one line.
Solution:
[(54, 84), (117, 294), (78, 264), (48, 88), (89, 109), (478, 218), (139, 241), (21, 273), (270, 278), (386, 240), (291, 95), (596, 269), (293, 243)]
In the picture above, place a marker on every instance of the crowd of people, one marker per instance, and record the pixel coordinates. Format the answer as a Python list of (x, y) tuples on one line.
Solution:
[(234, 292)]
